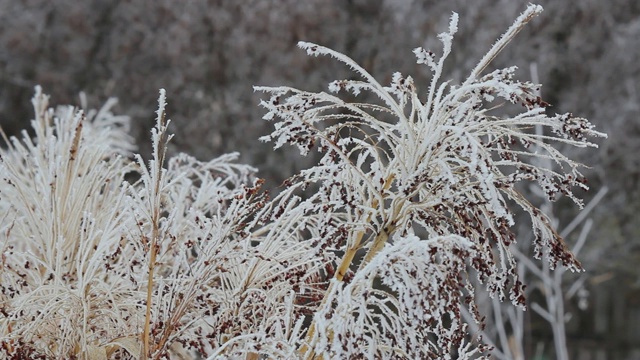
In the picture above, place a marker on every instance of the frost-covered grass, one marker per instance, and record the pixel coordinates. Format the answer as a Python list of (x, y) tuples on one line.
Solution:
[(105, 255)]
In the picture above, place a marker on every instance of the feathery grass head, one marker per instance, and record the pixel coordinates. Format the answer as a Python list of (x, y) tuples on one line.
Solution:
[(438, 164), (63, 204)]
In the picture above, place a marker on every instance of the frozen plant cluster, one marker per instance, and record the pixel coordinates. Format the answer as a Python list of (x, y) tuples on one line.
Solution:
[(370, 253)]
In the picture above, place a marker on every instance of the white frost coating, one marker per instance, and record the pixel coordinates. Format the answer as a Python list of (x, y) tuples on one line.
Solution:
[(446, 167), (411, 271), (531, 11)]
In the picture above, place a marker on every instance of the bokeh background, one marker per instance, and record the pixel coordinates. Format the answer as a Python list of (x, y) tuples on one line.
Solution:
[(209, 54)]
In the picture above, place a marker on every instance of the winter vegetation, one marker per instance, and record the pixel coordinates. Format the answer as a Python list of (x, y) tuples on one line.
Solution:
[(389, 246)]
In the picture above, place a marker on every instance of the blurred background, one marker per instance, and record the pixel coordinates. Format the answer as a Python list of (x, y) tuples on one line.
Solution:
[(209, 54)]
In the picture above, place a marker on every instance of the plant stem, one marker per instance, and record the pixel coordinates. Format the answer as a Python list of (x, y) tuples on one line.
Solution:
[(147, 317), (345, 264), (160, 151)]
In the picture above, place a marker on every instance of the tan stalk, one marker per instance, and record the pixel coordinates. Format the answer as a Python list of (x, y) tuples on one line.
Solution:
[(345, 264), (69, 173), (147, 316), (378, 243), (155, 234), (382, 237)]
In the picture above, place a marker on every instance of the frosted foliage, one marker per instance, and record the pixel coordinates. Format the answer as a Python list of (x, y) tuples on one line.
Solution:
[(441, 164), (417, 319), (371, 253)]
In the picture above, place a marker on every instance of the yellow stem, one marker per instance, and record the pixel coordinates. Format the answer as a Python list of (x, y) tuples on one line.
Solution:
[(147, 318), (347, 259), (146, 336), (345, 264), (378, 244), (159, 158)]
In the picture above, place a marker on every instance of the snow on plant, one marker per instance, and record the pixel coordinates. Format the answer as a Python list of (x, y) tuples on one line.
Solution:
[(107, 256), (95, 266), (445, 166)]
